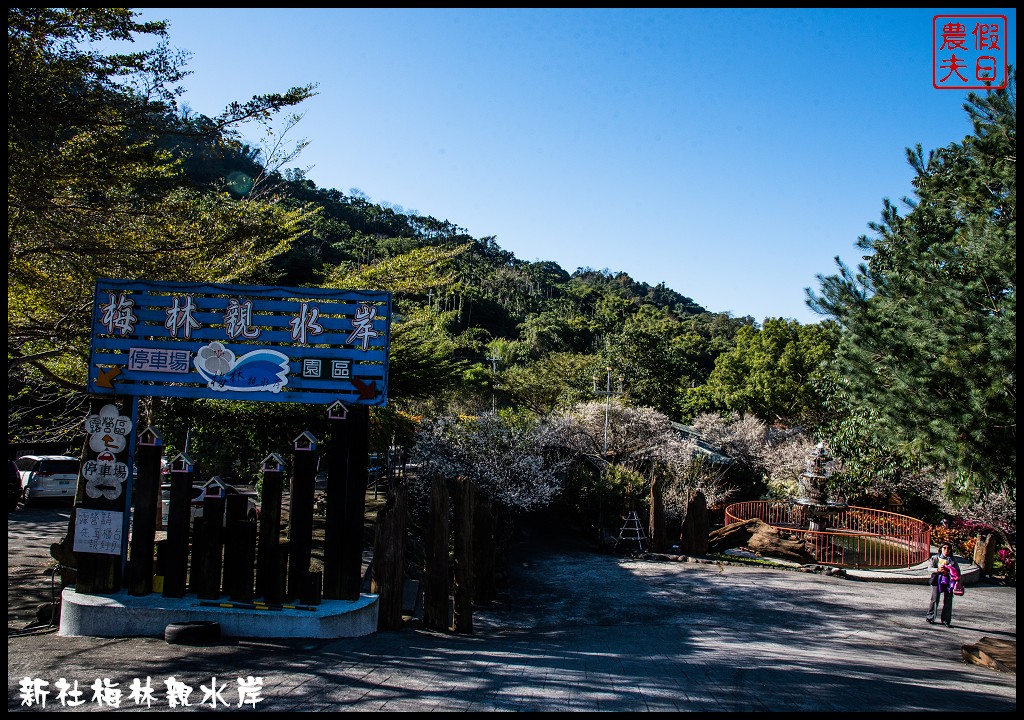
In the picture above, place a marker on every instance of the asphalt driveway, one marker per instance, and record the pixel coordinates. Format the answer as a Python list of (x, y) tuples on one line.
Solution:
[(583, 631)]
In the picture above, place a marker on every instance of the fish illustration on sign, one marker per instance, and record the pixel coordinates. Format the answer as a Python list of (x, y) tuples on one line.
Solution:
[(254, 371)]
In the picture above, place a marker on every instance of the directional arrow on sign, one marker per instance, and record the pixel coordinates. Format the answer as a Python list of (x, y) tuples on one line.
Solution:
[(106, 377), (366, 392)]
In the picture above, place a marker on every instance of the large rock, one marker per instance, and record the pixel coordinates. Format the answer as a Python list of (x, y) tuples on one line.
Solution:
[(994, 653), (733, 535), (759, 537), (985, 552)]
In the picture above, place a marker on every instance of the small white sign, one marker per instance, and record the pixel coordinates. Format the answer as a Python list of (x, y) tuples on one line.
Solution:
[(98, 531), (157, 360)]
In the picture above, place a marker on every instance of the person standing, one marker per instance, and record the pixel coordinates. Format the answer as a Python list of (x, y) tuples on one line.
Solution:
[(941, 586)]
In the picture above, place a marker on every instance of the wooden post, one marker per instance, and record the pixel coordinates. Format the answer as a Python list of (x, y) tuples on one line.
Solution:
[(463, 591), (485, 550), (211, 561), (334, 521), (346, 505), (693, 535), (352, 542), (657, 516), (269, 561), (104, 455), (435, 588), (147, 490), (300, 520), (179, 517), (388, 579), (239, 549), (197, 549)]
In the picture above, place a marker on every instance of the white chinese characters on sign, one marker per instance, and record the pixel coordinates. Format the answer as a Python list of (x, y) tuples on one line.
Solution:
[(104, 476), (314, 368), (238, 320), (109, 421), (363, 324), (251, 342), (118, 314), (105, 693), (306, 323), (158, 360), (179, 315)]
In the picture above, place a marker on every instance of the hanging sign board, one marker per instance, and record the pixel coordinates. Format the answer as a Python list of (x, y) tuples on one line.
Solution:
[(240, 342)]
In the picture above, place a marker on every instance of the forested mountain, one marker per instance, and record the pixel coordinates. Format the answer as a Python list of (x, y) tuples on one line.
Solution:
[(507, 323), (508, 314)]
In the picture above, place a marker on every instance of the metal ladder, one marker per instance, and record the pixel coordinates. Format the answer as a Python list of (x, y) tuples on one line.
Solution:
[(632, 531)]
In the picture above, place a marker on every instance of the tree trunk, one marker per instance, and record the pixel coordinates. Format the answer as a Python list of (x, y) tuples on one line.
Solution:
[(657, 517), (389, 558), (435, 589), (733, 535), (985, 553), (463, 602)]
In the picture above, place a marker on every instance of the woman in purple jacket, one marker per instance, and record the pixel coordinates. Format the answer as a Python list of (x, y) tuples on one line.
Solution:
[(941, 586)]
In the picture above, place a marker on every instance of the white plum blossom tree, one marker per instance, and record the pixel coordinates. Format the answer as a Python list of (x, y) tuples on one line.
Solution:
[(642, 442), (507, 461)]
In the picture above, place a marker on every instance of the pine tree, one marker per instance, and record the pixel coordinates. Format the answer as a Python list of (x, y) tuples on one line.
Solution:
[(928, 347)]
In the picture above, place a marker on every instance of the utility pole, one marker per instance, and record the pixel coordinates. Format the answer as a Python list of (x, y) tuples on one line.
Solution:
[(494, 379), (608, 394)]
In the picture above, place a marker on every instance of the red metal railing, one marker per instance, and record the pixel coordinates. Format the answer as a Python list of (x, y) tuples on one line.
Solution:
[(856, 536)]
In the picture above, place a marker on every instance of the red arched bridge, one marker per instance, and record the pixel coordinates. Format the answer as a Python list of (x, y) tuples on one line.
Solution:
[(854, 537)]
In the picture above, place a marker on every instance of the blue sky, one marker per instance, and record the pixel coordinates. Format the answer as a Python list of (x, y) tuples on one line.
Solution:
[(730, 154)]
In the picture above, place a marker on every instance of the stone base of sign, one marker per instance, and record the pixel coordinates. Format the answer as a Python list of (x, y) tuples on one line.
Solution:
[(124, 615)]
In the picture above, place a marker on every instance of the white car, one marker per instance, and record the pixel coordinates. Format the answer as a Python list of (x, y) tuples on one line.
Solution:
[(48, 476)]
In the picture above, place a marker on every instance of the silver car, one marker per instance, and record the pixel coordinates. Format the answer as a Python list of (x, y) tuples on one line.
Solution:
[(214, 487), (48, 476)]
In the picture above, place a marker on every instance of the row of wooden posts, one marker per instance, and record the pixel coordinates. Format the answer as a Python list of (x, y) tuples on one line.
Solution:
[(229, 556), (233, 557)]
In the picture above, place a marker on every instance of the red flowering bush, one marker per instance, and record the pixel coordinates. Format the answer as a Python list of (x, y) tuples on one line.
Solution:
[(1005, 558)]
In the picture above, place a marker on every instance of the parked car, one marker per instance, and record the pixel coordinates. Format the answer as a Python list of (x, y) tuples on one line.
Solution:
[(376, 471), (13, 486), (165, 502), (220, 487), (214, 487), (48, 476)]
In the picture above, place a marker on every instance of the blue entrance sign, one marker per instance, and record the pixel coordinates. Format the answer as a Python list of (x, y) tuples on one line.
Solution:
[(240, 342)]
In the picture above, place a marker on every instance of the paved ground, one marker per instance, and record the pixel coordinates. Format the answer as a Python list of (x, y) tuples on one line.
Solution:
[(583, 631)]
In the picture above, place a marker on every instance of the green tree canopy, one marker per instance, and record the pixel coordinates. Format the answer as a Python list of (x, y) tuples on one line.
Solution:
[(96, 187), (928, 348), (771, 372)]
